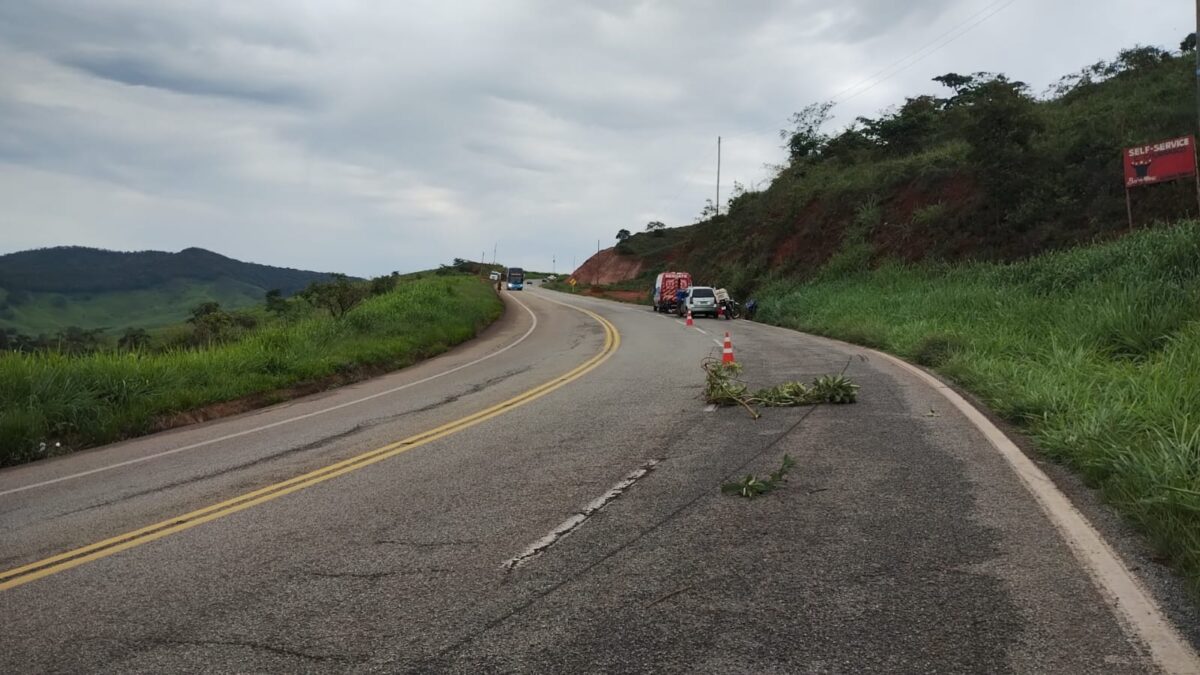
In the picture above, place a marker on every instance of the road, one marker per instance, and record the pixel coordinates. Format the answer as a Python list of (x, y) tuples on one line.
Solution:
[(546, 498)]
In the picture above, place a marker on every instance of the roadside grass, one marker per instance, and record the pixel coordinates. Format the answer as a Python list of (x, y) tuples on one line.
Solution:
[(1093, 351), (80, 401)]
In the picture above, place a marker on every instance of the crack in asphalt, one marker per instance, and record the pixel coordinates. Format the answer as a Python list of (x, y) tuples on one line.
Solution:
[(425, 544), (575, 520), (352, 575), (283, 651), (424, 665)]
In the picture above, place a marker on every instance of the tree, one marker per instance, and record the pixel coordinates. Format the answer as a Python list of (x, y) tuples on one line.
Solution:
[(203, 310), (134, 339), (1188, 44), (848, 145), (656, 227), (76, 340), (338, 296), (1002, 123), (805, 138), (907, 130), (623, 235), (384, 284), (210, 323), (276, 304)]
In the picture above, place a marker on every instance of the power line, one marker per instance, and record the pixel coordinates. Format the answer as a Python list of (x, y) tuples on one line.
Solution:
[(928, 50)]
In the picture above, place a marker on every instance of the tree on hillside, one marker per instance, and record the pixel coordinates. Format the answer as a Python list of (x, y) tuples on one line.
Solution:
[(656, 227), (276, 304), (1002, 123), (849, 145), (907, 130), (210, 324), (623, 235), (805, 138), (1188, 44), (338, 296), (75, 340), (384, 284), (133, 339), (958, 83)]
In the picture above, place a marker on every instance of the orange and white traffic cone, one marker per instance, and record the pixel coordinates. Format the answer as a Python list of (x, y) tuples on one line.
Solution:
[(727, 351), (689, 321)]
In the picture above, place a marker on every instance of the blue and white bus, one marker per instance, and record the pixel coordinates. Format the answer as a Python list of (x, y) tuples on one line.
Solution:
[(515, 277)]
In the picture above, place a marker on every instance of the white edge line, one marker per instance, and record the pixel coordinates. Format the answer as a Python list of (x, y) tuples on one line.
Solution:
[(246, 432), (1133, 605)]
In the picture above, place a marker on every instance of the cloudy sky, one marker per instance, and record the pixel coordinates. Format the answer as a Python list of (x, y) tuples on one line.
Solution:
[(370, 136)]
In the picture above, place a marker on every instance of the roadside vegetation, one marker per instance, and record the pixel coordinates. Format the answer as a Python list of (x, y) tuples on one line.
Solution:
[(66, 395), (1094, 351)]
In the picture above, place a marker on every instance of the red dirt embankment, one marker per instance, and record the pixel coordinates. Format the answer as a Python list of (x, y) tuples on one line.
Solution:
[(606, 267)]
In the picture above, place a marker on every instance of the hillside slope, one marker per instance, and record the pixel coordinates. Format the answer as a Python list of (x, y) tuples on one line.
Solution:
[(76, 269), (981, 171), (47, 290)]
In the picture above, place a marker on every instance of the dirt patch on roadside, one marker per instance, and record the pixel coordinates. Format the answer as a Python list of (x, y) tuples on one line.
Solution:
[(635, 297), (607, 267)]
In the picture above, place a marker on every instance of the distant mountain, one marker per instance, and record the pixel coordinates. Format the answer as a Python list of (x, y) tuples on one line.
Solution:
[(77, 269), (49, 289)]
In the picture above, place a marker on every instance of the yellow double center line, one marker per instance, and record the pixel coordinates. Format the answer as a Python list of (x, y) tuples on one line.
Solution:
[(65, 561)]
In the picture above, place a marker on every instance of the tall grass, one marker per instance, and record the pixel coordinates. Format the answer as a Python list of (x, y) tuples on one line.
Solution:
[(1094, 351), (50, 398)]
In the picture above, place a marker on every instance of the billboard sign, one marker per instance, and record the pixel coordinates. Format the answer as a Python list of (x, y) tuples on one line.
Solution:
[(1160, 162)]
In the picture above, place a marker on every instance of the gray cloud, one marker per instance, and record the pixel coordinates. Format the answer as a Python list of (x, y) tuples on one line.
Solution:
[(134, 69), (370, 136)]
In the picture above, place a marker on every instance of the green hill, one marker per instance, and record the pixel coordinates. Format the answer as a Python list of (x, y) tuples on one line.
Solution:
[(981, 169), (46, 290)]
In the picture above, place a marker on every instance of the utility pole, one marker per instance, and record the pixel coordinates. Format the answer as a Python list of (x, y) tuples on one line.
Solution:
[(717, 203), (553, 265), (498, 243), (1198, 58)]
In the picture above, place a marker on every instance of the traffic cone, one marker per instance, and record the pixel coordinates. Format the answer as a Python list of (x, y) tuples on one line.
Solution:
[(689, 319), (727, 351)]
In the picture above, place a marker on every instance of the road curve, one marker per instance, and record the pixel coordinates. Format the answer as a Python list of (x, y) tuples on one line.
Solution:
[(542, 500)]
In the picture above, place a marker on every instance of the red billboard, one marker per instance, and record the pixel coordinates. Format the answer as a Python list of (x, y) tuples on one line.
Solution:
[(1160, 162)]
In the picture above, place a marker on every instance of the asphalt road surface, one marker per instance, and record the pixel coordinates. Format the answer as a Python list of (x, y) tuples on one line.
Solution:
[(547, 499)]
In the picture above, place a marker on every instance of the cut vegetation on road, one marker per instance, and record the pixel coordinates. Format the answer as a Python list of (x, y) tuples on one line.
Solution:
[(49, 398)]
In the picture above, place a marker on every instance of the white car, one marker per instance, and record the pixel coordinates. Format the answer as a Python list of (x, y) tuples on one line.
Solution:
[(699, 300)]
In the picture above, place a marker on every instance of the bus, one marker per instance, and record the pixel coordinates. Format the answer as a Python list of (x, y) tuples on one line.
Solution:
[(515, 278)]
